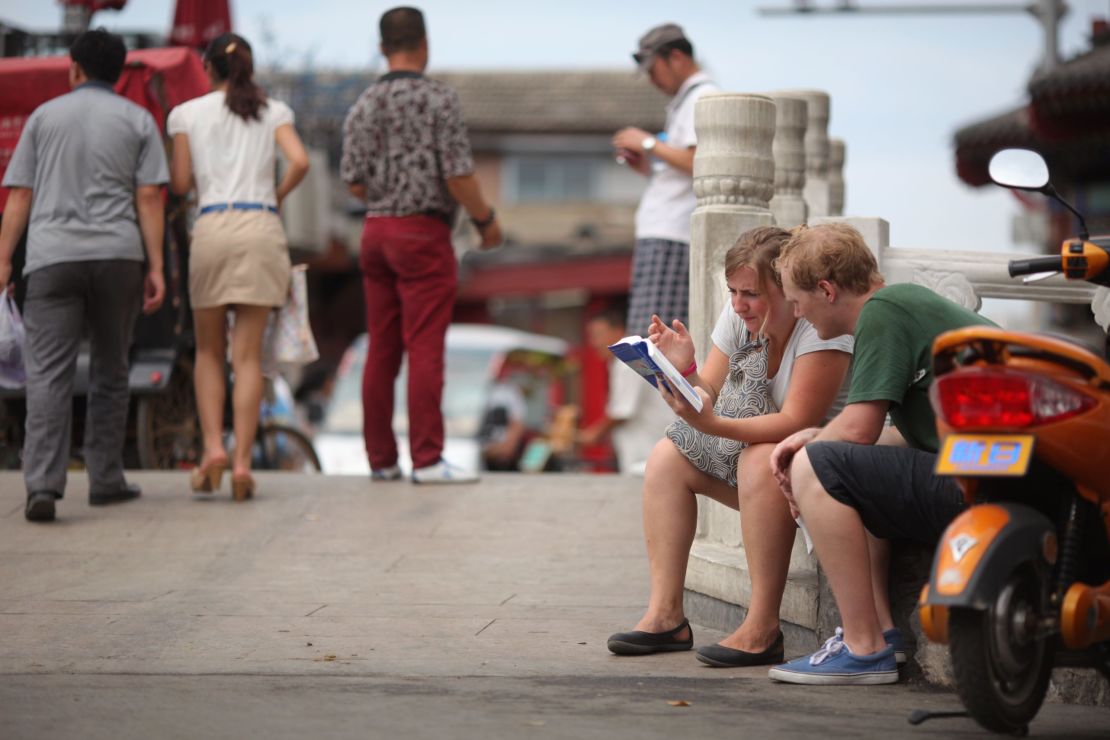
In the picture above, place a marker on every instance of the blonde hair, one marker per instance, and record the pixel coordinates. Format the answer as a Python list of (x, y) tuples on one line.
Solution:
[(758, 249), (834, 252)]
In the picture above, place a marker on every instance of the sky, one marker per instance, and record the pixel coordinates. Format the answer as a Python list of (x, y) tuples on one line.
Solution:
[(900, 85)]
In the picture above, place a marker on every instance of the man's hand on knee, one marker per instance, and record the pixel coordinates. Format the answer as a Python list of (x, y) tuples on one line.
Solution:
[(783, 456)]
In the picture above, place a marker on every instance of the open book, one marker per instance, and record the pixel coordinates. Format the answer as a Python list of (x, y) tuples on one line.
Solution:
[(646, 359)]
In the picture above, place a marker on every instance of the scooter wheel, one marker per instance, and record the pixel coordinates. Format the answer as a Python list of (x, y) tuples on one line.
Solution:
[(1000, 663)]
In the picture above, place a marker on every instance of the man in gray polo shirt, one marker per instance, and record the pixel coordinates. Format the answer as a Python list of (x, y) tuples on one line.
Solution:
[(87, 175)]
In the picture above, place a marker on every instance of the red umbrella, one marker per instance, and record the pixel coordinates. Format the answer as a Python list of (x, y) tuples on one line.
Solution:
[(197, 22)]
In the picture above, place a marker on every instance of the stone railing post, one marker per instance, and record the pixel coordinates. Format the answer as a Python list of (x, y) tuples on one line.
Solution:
[(788, 205), (734, 172), (816, 192), (836, 177), (733, 181)]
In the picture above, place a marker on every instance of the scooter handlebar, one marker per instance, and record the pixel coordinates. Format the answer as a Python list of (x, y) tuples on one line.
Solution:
[(1035, 265)]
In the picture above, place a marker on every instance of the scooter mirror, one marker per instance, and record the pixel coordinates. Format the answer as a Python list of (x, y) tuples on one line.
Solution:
[(1023, 169)]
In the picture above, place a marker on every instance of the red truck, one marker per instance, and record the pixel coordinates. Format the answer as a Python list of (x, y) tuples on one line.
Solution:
[(162, 429)]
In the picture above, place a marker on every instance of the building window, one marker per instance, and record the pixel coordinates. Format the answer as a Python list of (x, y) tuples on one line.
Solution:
[(550, 178)]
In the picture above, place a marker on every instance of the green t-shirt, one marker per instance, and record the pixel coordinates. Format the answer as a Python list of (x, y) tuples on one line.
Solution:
[(893, 358)]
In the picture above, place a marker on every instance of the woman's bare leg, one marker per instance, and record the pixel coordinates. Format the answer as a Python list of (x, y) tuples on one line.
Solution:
[(209, 378), (246, 358), (769, 533), (671, 485)]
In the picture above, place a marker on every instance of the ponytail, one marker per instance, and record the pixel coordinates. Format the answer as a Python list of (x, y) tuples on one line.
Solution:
[(231, 59)]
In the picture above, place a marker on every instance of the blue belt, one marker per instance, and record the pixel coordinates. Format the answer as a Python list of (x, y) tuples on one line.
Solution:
[(221, 207)]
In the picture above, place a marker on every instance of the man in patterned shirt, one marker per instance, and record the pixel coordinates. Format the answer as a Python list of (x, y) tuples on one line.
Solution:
[(407, 155)]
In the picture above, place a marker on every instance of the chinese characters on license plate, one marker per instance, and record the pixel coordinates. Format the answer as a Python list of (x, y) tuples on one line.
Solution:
[(985, 454)]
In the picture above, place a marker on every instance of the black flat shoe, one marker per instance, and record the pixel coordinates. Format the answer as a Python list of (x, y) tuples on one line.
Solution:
[(720, 656), (646, 643), (127, 492), (40, 506)]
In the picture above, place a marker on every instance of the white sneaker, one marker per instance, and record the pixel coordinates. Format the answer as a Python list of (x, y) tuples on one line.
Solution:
[(443, 472)]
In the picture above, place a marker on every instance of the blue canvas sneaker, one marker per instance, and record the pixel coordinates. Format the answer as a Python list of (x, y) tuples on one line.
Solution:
[(836, 664), (893, 637)]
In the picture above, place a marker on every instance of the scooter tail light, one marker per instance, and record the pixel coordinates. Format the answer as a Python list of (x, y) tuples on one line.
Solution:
[(976, 398)]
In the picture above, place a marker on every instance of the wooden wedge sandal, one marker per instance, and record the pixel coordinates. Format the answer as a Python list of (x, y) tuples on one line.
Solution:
[(208, 478), (242, 487)]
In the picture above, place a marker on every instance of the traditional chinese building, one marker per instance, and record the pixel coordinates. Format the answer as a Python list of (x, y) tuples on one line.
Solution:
[(1067, 120)]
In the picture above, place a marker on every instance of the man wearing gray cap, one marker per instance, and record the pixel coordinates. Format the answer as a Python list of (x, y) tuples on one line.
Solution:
[(660, 263)]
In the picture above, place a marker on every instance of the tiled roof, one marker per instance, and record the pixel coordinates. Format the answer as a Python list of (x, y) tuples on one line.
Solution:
[(577, 101), (1075, 154), (1067, 120), (1081, 84), (977, 143)]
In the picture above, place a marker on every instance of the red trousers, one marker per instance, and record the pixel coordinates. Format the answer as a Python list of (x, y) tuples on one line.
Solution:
[(409, 276)]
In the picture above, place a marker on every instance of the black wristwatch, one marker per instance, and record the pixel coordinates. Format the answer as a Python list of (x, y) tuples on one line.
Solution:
[(481, 225)]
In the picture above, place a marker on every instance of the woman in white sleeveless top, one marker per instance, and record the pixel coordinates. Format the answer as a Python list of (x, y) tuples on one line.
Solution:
[(224, 145)]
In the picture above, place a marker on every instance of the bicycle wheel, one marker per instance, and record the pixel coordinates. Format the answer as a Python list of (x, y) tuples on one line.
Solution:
[(281, 447)]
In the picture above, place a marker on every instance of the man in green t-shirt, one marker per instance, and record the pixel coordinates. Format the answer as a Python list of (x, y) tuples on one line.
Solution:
[(854, 483)]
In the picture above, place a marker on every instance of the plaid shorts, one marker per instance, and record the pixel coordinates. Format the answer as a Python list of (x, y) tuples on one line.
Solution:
[(660, 283)]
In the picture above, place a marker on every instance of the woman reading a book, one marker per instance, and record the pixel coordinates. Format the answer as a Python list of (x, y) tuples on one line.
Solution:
[(767, 376)]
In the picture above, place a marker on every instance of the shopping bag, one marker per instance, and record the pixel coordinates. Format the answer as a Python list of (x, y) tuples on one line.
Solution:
[(289, 337), (12, 373)]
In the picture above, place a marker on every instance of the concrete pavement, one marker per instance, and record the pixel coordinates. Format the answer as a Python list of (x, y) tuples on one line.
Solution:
[(333, 607)]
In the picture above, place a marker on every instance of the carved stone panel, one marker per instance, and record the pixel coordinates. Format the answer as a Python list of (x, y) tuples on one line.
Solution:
[(952, 285), (1100, 305)]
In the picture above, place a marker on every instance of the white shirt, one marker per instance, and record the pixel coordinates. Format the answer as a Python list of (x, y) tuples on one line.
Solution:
[(668, 201), (643, 414), (508, 396), (233, 159), (730, 334)]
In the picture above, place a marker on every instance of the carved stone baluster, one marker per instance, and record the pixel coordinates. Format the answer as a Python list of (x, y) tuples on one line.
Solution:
[(836, 177), (816, 191), (734, 173), (733, 181), (788, 205)]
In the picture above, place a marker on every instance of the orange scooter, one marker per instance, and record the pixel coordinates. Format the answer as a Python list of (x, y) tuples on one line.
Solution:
[(1021, 580)]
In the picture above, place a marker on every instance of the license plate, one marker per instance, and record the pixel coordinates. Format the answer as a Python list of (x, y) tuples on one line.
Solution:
[(985, 454)]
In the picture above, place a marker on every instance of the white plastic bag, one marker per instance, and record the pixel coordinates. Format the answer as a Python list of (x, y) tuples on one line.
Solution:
[(12, 373), (289, 336)]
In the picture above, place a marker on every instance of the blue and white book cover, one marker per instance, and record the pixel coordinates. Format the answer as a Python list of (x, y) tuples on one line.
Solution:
[(645, 358)]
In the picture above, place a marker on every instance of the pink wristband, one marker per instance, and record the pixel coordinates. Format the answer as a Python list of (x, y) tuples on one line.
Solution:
[(690, 370)]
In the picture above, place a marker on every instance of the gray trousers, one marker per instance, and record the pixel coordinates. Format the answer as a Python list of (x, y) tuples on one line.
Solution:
[(62, 300)]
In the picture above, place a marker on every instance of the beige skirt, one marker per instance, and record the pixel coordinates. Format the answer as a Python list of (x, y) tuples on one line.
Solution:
[(238, 257)]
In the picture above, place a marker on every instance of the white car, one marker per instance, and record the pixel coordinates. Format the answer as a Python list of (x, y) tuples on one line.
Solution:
[(475, 356)]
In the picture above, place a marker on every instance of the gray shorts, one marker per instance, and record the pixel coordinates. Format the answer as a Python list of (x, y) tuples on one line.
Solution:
[(893, 489)]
